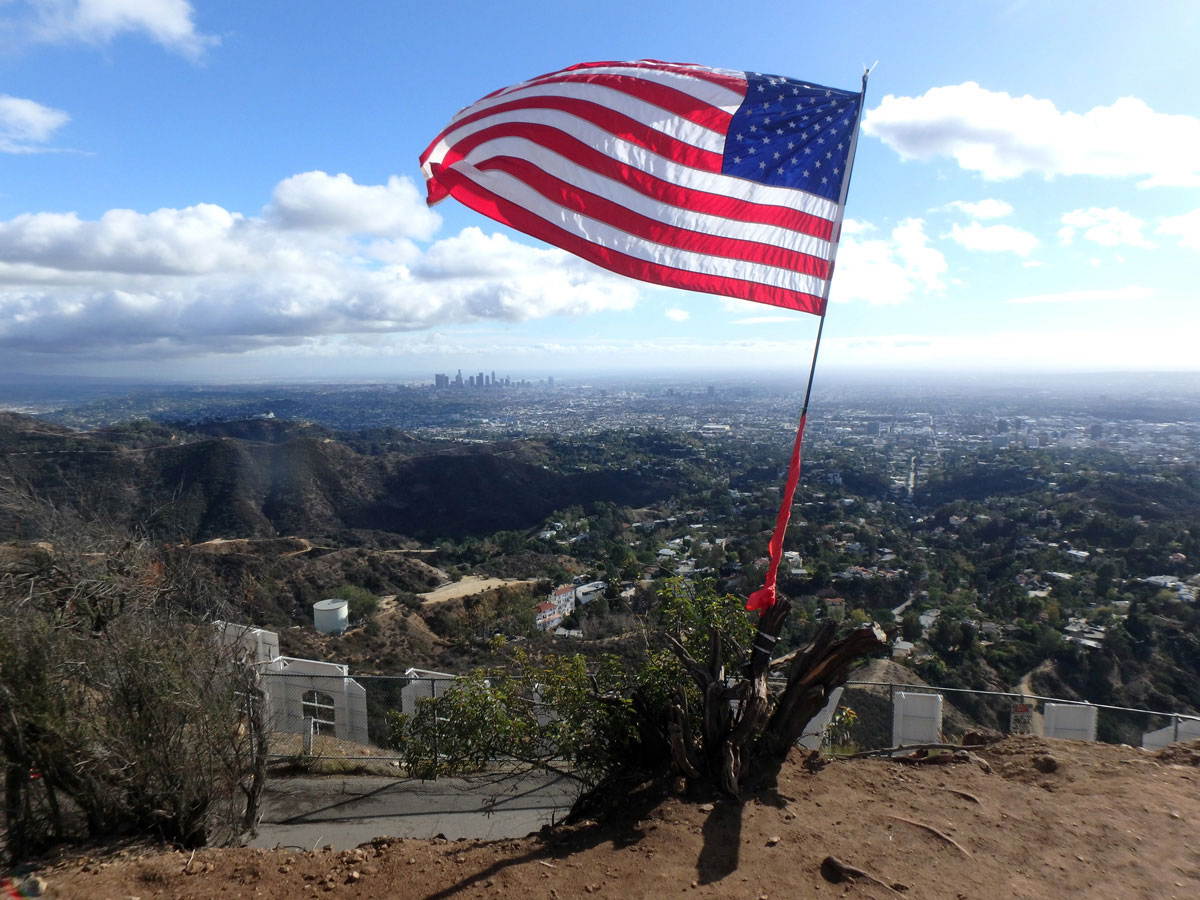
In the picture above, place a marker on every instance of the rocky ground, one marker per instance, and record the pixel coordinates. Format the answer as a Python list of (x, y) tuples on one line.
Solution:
[(1025, 818)]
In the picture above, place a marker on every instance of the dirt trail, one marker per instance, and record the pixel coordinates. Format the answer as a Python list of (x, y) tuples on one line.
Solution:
[(1025, 686), (470, 584), (1037, 820)]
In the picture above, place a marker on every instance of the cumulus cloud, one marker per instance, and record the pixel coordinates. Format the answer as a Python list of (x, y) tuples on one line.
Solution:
[(1186, 228), (675, 314), (320, 202), (886, 270), (983, 209), (324, 258), (1110, 227), (26, 125), (167, 22), (994, 238), (1001, 136)]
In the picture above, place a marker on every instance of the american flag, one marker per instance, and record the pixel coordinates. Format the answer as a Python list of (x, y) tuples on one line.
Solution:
[(707, 179)]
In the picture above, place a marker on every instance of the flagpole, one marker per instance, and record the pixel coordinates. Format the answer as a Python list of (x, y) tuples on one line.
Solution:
[(833, 256), (763, 600)]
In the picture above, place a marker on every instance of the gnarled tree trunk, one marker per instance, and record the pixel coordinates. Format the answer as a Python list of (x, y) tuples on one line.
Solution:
[(747, 717)]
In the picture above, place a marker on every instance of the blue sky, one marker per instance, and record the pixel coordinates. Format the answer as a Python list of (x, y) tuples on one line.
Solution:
[(230, 190)]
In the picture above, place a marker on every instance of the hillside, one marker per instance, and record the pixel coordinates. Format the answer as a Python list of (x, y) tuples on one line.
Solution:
[(1034, 819), (260, 479)]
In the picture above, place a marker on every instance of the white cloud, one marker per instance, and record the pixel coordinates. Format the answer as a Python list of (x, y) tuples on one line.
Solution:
[(1107, 227), (26, 124), (320, 202), (1001, 136), (983, 209), (994, 238), (168, 22), (675, 314), (1186, 228), (886, 270), (206, 279), (1132, 293)]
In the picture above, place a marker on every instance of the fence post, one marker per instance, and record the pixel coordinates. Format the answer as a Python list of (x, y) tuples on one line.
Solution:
[(1175, 721), (434, 700), (308, 735)]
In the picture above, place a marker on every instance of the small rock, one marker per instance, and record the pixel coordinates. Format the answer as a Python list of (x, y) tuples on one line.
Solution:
[(33, 886), (353, 876), (707, 807), (773, 840), (1045, 764)]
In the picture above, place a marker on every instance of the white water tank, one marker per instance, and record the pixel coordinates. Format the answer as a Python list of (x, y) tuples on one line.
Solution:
[(331, 616)]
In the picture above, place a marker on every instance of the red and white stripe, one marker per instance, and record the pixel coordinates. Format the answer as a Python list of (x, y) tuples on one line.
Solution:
[(620, 163)]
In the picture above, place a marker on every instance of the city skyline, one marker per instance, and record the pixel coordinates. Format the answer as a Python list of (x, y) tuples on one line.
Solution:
[(221, 193)]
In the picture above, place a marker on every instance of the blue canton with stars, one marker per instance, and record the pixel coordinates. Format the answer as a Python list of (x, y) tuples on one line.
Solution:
[(792, 134)]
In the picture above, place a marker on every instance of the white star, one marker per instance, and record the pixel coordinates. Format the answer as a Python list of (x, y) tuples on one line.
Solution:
[(836, 172), (737, 159), (820, 140), (829, 93), (767, 120), (791, 145), (824, 181), (795, 91), (740, 138), (817, 164), (777, 154), (762, 165), (780, 170), (806, 173), (753, 128), (829, 155), (808, 149), (829, 118), (766, 140), (761, 88), (779, 131)]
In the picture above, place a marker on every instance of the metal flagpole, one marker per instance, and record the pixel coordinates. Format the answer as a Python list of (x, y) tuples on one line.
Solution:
[(841, 215), (764, 598)]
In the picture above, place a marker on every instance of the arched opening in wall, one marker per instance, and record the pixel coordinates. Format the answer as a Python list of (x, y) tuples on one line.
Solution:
[(318, 706)]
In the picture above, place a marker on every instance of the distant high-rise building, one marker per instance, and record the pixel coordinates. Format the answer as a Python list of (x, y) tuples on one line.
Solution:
[(458, 378)]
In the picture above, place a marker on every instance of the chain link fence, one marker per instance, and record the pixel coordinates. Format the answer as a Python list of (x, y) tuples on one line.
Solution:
[(874, 719)]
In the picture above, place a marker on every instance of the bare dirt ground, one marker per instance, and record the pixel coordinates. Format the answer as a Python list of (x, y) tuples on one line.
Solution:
[(1035, 820), (470, 584)]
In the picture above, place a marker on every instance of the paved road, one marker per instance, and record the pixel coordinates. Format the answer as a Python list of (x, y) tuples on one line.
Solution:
[(346, 811)]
